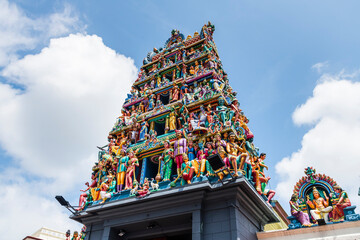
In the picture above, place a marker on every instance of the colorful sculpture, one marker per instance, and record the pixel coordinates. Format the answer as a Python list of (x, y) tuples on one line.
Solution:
[(121, 170), (302, 217), (320, 207), (181, 108), (324, 201), (179, 149), (341, 204), (130, 171), (167, 157)]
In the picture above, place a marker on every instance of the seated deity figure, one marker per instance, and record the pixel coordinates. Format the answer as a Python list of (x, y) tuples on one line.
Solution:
[(319, 206), (302, 217), (187, 170), (233, 152), (107, 188), (343, 202)]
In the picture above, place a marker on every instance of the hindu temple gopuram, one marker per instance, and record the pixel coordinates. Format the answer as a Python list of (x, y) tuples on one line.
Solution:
[(180, 162)]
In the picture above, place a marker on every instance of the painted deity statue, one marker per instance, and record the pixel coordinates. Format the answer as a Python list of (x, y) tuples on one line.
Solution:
[(145, 189), (83, 197), (243, 155), (179, 149), (302, 217), (106, 188), (121, 170), (262, 166), (344, 201), (258, 176), (167, 157), (175, 93), (130, 171), (202, 117), (143, 129), (75, 236), (172, 119), (219, 143), (222, 110), (205, 168), (187, 170), (233, 152), (319, 206), (191, 150)]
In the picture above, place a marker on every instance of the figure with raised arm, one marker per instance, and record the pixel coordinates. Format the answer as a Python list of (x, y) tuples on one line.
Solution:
[(83, 197), (319, 206)]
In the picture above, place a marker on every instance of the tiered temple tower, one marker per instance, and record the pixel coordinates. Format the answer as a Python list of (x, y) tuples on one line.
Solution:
[(180, 163)]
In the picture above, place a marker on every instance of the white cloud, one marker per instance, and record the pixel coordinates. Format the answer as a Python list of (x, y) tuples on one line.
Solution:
[(25, 207), (319, 67), (332, 144), (20, 32), (74, 90)]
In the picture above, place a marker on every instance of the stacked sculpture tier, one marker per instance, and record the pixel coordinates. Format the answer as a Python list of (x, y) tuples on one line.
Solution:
[(181, 111)]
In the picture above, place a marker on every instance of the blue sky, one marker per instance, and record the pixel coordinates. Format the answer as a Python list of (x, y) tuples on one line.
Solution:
[(268, 48)]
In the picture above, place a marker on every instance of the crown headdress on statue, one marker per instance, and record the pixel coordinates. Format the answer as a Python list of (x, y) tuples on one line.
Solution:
[(315, 190)]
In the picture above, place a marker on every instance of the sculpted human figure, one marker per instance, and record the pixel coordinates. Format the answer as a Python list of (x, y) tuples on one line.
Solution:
[(106, 189), (122, 142), (130, 171), (175, 93), (201, 156), (75, 236), (83, 197), (243, 155), (184, 71), (233, 152), (172, 119), (258, 176), (202, 117), (302, 217), (151, 102), (144, 126), (222, 110), (344, 201), (209, 115), (121, 170), (187, 170), (183, 116), (179, 149), (262, 166), (219, 143), (320, 207), (144, 190), (192, 70), (167, 157), (191, 150)]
